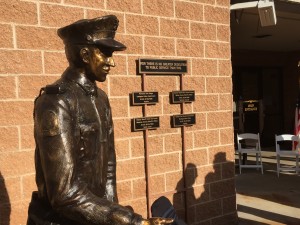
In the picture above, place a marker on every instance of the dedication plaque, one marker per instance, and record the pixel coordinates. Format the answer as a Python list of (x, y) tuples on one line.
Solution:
[(142, 98), (145, 123), (183, 96), (162, 66), (183, 120)]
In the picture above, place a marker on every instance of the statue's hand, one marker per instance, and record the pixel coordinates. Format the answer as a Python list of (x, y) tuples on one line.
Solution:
[(157, 221)]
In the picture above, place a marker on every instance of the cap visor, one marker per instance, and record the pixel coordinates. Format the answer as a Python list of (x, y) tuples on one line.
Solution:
[(111, 43)]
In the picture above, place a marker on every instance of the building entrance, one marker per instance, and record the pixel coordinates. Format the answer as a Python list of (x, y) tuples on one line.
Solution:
[(257, 94)]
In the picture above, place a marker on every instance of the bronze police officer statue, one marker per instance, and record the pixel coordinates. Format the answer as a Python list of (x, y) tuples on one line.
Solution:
[(75, 155)]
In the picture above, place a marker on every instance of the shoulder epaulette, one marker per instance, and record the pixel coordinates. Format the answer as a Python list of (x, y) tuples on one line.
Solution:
[(54, 89)]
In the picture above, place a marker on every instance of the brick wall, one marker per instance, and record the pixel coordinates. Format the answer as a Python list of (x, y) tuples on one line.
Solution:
[(32, 55)]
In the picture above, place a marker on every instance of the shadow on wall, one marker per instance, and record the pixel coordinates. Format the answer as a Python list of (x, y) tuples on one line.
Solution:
[(216, 193), (5, 207)]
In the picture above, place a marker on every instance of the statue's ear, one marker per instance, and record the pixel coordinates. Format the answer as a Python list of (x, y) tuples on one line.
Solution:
[(85, 55)]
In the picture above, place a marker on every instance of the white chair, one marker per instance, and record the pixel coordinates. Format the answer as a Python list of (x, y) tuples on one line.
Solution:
[(284, 152), (249, 143)]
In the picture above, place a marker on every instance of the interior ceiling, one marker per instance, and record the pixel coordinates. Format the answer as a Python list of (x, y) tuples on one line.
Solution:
[(248, 34)]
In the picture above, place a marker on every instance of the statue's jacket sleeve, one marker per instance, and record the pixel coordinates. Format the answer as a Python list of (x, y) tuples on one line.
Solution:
[(75, 157)]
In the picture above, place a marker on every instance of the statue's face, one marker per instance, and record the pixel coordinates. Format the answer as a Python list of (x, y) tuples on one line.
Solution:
[(99, 64)]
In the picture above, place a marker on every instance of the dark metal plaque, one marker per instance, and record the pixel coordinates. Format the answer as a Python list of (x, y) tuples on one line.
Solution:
[(183, 120), (162, 66), (183, 96), (142, 98), (145, 123), (250, 106)]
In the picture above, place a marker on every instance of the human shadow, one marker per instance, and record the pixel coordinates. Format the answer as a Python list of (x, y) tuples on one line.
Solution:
[(5, 207), (215, 186)]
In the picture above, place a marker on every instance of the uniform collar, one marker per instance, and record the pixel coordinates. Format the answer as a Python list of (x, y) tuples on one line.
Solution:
[(89, 87)]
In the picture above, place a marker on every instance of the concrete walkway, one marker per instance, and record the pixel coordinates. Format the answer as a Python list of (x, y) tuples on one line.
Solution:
[(267, 199)]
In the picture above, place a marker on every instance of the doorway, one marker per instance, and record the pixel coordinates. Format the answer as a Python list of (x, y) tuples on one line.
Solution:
[(257, 94)]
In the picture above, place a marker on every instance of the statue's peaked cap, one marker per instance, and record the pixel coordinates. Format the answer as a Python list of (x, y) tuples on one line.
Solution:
[(99, 31)]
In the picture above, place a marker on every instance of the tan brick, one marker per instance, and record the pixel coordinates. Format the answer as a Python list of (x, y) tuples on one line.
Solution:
[(157, 184), (217, 50), (223, 33), (197, 157), (158, 7), (137, 147), (218, 85), (86, 3), (189, 138), (136, 111), (16, 61), (122, 149), (124, 5), (90, 14), (173, 143), (229, 204), (55, 62), (226, 136), (206, 138), (204, 67), (195, 83), (174, 28), (34, 38), (119, 107), (29, 86), (164, 128), (120, 68), (123, 129), (27, 138), (228, 219), (197, 195), (159, 46), (225, 3), (130, 169), (13, 11), (211, 2), (169, 108), (9, 139), (225, 68), (144, 25), (16, 113), (206, 103), (216, 14), (221, 154), (5, 209), (17, 163), (19, 212), (29, 185), (59, 16), (8, 87), (10, 190), (132, 65), (163, 84), (6, 39), (209, 210), (139, 206), (139, 188), (155, 109), (133, 43), (222, 189), (155, 145), (190, 48), (174, 181), (189, 11), (200, 123), (219, 119), (208, 174), (117, 87), (225, 102), (203, 31), (124, 190), (164, 163), (228, 170), (53, 1)]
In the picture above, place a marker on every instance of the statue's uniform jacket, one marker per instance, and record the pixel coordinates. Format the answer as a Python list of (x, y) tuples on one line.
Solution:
[(75, 155)]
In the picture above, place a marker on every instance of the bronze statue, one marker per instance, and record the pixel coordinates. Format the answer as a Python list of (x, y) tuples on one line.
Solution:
[(75, 155)]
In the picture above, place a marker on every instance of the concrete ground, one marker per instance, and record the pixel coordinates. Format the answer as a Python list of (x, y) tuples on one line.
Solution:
[(265, 198)]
